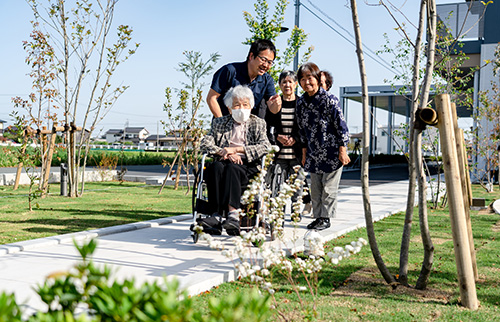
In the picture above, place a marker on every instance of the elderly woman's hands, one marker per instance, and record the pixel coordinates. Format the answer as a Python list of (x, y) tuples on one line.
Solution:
[(235, 158), (230, 153)]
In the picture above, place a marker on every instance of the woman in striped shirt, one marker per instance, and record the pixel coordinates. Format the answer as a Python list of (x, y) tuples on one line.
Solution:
[(282, 128)]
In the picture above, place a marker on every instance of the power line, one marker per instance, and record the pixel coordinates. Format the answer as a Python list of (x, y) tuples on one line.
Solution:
[(388, 67), (351, 35), (131, 114)]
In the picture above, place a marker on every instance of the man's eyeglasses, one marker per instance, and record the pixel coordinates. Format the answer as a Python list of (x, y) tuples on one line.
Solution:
[(265, 60)]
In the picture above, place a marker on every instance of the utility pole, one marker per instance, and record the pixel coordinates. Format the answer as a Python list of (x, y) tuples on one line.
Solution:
[(297, 14)]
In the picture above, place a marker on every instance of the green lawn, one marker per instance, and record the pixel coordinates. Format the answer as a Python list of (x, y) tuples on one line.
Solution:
[(102, 205)]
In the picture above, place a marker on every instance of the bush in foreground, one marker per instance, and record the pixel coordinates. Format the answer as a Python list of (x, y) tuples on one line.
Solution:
[(86, 293)]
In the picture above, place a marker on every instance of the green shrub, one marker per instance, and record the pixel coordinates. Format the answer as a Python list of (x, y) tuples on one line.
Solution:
[(9, 158), (88, 286)]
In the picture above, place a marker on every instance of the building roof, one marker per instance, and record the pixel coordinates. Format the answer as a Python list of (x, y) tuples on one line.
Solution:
[(114, 131), (135, 129), (2, 121)]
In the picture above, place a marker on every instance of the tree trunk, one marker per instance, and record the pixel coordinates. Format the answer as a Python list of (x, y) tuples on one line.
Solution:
[(422, 179), (364, 166), (180, 161), (168, 173), (422, 215), (410, 203)]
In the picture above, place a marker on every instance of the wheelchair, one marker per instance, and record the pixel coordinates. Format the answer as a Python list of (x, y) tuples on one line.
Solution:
[(201, 206)]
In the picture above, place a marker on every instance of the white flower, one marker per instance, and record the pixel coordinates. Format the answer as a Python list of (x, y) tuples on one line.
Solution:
[(338, 250), (364, 242), (302, 288)]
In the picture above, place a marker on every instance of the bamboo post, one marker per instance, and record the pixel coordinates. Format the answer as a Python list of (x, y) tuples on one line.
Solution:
[(20, 164), (48, 161), (462, 163), (465, 272), (72, 170)]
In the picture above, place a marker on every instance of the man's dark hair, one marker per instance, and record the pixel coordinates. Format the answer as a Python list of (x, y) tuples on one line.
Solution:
[(312, 68), (328, 79), (287, 73), (260, 45)]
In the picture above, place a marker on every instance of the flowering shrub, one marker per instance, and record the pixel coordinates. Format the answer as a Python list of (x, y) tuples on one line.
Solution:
[(259, 264)]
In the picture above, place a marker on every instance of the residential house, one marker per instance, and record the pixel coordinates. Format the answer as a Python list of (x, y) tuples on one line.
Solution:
[(113, 135), (135, 134), (131, 134), (2, 122)]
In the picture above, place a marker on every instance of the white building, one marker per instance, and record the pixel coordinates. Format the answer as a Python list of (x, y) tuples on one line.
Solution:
[(389, 143), (132, 134), (2, 122)]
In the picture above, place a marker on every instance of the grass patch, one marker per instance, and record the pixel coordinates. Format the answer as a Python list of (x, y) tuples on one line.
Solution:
[(103, 204), (354, 290)]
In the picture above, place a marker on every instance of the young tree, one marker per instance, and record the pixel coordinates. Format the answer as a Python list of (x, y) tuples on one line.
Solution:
[(420, 100), (81, 38), (446, 76), (365, 152), (39, 109), (184, 120), (264, 27)]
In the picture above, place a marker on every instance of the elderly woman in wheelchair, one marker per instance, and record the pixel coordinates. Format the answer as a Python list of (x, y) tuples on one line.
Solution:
[(237, 142)]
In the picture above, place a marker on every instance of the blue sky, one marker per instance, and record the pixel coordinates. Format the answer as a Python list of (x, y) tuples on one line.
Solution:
[(166, 28)]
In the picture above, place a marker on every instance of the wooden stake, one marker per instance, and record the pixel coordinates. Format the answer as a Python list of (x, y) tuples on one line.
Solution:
[(48, 162), (462, 163), (463, 259), (20, 164)]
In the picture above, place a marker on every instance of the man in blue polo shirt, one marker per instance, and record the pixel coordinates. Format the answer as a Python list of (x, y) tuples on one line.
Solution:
[(253, 73)]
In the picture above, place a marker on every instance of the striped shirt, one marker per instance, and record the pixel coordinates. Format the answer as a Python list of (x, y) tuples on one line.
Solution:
[(287, 117)]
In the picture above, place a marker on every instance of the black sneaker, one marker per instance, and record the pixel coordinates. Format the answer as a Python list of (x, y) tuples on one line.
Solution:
[(211, 225), (319, 224), (231, 224)]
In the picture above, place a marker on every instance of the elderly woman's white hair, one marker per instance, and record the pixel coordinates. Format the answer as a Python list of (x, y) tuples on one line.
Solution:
[(240, 91)]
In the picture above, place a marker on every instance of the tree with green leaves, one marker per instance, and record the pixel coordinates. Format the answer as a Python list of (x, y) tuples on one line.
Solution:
[(441, 67), (184, 122), (262, 26), (38, 111), (86, 55)]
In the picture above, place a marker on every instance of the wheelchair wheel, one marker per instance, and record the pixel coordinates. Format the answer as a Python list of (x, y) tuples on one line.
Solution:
[(195, 236), (276, 180), (272, 232)]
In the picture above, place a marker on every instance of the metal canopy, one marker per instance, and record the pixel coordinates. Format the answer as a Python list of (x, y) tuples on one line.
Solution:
[(393, 99)]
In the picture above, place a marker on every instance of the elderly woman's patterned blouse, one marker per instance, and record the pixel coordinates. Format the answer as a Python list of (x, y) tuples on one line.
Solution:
[(323, 130)]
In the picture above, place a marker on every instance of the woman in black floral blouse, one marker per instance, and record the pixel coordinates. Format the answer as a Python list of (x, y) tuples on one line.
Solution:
[(324, 135)]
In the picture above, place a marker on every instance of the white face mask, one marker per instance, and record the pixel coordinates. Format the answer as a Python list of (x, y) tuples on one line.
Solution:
[(241, 115)]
